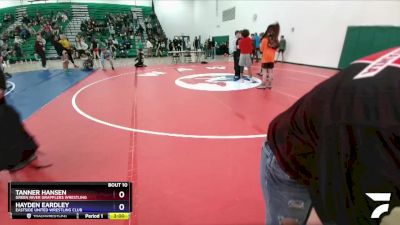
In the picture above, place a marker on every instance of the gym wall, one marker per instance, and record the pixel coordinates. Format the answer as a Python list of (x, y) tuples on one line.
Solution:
[(319, 26)]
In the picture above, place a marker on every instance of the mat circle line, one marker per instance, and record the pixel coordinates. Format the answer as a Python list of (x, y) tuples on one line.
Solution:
[(177, 135), (11, 89)]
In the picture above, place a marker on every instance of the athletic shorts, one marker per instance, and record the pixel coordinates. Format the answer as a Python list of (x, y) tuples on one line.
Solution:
[(281, 50), (245, 60), (269, 65)]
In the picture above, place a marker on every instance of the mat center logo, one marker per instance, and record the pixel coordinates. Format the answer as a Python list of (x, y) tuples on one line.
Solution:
[(216, 82)]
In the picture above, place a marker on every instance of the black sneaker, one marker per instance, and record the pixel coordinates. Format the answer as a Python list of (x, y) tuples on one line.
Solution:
[(236, 78)]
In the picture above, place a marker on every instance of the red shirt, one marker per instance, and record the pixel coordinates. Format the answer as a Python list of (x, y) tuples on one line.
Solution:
[(246, 45)]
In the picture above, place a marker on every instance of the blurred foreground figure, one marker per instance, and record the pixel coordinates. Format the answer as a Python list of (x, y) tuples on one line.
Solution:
[(17, 147), (336, 144)]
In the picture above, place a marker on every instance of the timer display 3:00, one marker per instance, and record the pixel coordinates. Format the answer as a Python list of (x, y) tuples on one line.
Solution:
[(119, 216)]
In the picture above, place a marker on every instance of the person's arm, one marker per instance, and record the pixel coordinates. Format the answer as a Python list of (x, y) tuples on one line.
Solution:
[(262, 45), (1, 94), (3, 85), (84, 46)]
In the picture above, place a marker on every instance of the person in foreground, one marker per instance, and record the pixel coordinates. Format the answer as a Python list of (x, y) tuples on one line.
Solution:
[(334, 145), (17, 147)]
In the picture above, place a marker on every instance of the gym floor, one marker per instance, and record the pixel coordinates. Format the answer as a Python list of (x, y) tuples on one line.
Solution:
[(186, 135)]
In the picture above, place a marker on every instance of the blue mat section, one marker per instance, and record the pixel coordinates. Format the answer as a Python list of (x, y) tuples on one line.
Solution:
[(35, 89)]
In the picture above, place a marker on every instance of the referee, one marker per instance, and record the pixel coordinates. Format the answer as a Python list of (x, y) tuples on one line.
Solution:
[(335, 144)]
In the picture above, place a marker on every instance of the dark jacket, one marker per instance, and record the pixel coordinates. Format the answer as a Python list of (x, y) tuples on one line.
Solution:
[(58, 47), (39, 47), (343, 140)]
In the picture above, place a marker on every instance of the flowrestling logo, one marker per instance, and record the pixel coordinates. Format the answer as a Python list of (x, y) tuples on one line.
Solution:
[(378, 65), (216, 82), (379, 197)]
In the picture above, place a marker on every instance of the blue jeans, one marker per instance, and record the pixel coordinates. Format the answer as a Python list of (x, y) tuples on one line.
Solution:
[(285, 198)]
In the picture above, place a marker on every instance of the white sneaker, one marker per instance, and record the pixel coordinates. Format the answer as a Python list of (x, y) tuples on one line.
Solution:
[(262, 86), (251, 80), (45, 68)]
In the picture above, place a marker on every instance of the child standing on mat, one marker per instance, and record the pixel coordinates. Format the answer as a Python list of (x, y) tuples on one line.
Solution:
[(236, 56), (65, 60), (95, 50), (106, 54), (246, 48), (269, 45), (40, 50)]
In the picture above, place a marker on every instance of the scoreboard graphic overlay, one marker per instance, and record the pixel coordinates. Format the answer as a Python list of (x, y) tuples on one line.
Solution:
[(70, 200)]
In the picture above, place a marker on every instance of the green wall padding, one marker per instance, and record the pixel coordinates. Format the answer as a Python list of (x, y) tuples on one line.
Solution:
[(362, 41), (220, 40)]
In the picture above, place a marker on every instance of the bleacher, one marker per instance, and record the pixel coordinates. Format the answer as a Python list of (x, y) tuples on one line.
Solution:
[(3, 12), (45, 10), (5, 25), (98, 12)]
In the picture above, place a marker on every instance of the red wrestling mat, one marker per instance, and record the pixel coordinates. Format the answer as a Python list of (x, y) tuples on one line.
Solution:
[(186, 135)]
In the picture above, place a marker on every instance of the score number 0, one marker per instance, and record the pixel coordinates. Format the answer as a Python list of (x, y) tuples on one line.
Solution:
[(121, 194)]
